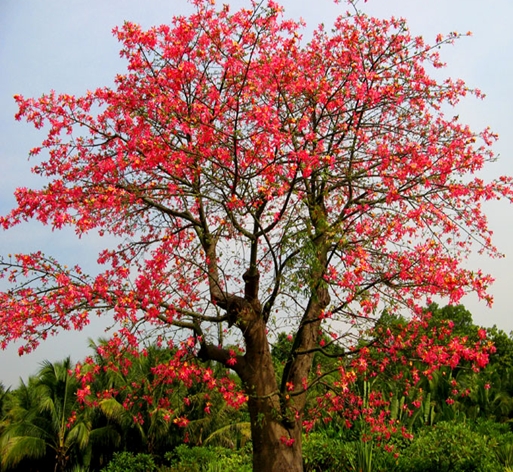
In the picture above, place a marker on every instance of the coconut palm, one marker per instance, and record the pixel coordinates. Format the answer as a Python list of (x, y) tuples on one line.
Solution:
[(45, 421), (146, 409), (135, 405)]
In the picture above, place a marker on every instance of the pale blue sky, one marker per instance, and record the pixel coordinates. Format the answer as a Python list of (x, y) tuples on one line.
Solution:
[(67, 46)]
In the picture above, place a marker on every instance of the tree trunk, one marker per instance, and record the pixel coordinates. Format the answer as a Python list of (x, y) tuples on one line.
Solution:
[(276, 436), (276, 412), (276, 448)]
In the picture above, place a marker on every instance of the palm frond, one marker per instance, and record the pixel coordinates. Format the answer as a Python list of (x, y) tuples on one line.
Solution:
[(17, 448), (79, 434), (225, 436)]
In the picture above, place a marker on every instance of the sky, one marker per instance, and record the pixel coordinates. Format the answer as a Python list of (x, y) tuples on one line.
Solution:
[(68, 46)]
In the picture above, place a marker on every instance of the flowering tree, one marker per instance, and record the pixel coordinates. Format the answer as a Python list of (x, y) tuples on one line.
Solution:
[(259, 184)]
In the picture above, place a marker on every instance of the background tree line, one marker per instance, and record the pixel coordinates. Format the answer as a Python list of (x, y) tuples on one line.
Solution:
[(460, 419)]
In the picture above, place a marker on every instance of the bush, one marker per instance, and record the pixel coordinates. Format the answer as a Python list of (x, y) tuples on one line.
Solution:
[(128, 462), (449, 447), (210, 459), (324, 453)]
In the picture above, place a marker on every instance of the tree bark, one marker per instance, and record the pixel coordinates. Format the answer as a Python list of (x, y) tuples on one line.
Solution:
[(276, 438), (271, 452), (276, 411)]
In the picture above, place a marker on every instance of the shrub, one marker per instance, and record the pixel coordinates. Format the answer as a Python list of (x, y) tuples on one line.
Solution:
[(325, 454), (210, 459), (128, 462), (449, 447)]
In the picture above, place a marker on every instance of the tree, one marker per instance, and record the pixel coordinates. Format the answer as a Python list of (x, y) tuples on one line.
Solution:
[(46, 423), (258, 183), (147, 407)]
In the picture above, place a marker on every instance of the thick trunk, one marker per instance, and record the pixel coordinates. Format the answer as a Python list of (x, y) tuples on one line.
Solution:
[(276, 448), (275, 434), (276, 425), (276, 412)]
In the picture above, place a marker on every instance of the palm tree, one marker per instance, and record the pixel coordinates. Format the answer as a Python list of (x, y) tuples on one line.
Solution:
[(46, 422), (134, 405), (145, 407), (20, 439)]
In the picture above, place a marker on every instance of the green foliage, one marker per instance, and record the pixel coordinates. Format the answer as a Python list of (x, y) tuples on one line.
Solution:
[(281, 348), (45, 422), (504, 454), (472, 434), (424, 415), (128, 462), (137, 395), (449, 447), (230, 436), (457, 314), (503, 343), (327, 451), (210, 459), (324, 453), (364, 456)]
